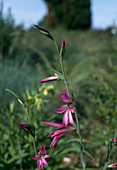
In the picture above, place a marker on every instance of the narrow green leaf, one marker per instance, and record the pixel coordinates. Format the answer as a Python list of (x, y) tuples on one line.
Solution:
[(106, 165), (58, 74), (14, 94), (83, 160)]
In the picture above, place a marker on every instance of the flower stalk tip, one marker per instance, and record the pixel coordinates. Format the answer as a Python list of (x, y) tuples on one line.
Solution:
[(44, 31)]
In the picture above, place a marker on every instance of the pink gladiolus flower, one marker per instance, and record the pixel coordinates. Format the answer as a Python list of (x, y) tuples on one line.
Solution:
[(115, 142), (41, 158), (67, 108), (58, 132), (52, 78), (114, 165)]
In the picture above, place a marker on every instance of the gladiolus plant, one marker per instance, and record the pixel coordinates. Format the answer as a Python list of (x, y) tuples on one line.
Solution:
[(70, 120)]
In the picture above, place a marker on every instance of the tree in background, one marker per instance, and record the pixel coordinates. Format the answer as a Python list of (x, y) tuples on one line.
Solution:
[(72, 14), (6, 30)]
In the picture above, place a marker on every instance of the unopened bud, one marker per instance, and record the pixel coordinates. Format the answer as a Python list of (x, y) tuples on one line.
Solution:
[(27, 128), (44, 31), (62, 51)]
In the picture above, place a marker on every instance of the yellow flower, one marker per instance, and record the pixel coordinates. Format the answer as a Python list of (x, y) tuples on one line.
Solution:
[(89, 50), (38, 102), (50, 87), (30, 97), (45, 92), (103, 71)]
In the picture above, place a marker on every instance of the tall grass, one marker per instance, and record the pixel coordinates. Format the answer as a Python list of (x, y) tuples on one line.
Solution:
[(16, 75)]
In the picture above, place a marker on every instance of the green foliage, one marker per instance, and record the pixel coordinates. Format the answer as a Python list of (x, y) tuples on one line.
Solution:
[(16, 146), (74, 14), (15, 75)]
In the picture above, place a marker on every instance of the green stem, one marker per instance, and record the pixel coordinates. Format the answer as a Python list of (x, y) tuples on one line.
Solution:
[(34, 145), (27, 113), (62, 68), (77, 122), (110, 146), (28, 117), (81, 143)]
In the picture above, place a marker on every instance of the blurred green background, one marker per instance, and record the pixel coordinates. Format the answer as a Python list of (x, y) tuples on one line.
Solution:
[(90, 61)]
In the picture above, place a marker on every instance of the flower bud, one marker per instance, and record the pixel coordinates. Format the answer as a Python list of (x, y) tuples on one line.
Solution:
[(27, 128), (62, 51), (114, 165), (115, 143), (44, 31)]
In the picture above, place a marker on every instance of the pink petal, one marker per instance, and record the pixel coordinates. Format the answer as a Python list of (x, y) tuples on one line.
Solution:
[(61, 109), (54, 141), (114, 165), (44, 161), (71, 118), (65, 97), (60, 132), (39, 164), (21, 123), (51, 133), (49, 79), (66, 118), (35, 157), (42, 150), (46, 156), (53, 124)]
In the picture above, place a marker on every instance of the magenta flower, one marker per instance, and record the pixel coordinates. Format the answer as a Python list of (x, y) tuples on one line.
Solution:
[(58, 132), (27, 128), (67, 108), (114, 165), (52, 78), (115, 143), (41, 158)]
